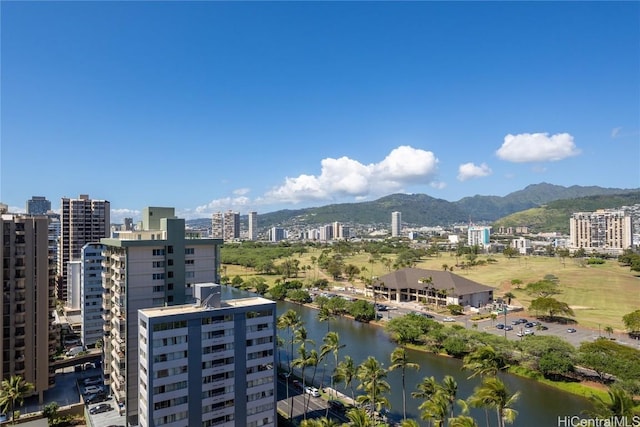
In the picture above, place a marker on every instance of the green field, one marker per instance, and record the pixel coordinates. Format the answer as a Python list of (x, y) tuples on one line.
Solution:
[(599, 294)]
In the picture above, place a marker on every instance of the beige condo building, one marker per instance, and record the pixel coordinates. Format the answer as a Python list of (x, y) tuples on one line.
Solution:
[(604, 231)]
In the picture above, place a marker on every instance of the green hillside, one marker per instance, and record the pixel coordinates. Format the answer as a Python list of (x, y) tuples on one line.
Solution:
[(554, 216)]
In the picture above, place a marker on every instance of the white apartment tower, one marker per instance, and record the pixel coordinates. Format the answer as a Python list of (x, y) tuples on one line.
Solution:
[(28, 338), (253, 226), (153, 267), (607, 231), (83, 221), (91, 294), (209, 363), (396, 224)]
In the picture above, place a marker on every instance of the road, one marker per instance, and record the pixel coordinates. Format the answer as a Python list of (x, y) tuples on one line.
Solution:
[(317, 406)]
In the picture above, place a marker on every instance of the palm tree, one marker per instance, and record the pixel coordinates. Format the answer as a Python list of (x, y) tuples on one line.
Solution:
[(400, 360), (509, 296), (290, 321), (325, 315), (301, 362), (347, 372), (372, 380), (426, 388), (484, 361), (409, 423), (608, 330), (493, 394), (450, 390), (462, 421), (13, 390), (312, 360), (331, 345), (435, 409), (620, 404), (358, 417)]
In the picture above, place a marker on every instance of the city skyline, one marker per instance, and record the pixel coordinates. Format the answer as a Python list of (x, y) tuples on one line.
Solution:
[(265, 106)]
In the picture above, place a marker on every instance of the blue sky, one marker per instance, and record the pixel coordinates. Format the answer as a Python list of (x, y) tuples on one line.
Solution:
[(209, 106)]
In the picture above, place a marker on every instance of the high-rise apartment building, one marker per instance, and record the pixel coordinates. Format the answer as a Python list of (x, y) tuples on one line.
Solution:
[(27, 337), (277, 234), (209, 363), (478, 236), (396, 224), (91, 294), (606, 231), (231, 226), (38, 205), (217, 229), (152, 267), (83, 221), (253, 226)]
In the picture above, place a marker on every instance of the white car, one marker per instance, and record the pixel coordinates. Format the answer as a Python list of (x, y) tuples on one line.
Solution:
[(448, 319), (312, 391)]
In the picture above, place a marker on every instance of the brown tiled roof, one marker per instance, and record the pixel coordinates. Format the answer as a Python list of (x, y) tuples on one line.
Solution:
[(410, 278)]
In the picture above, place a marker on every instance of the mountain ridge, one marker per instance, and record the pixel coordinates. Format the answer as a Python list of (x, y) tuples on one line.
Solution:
[(425, 210)]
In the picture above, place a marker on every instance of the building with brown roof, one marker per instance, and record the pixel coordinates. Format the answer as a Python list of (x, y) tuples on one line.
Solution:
[(432, 287)]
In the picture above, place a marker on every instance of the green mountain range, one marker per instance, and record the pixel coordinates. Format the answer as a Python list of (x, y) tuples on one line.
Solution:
[(541, 200)]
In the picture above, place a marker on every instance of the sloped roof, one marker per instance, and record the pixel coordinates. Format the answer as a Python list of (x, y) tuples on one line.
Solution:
[(441, 280)]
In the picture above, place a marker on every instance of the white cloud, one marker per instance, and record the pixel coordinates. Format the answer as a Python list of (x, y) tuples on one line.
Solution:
[(345, 177), (241, 191), (223, 204), (470, 170), (615, 132), (537, 147), (118, 215), (438, 185)]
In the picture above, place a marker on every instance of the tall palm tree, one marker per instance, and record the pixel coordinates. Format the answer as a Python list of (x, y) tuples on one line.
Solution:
[(509, 296), (493, 394), (409, 423), (290, 320), (450, 391), (372, 380), (301, 336), (346, 372), (400, 360), (484, 361), (312, 360), (331, 345), (325, 315), (620, 404), (13, 390)]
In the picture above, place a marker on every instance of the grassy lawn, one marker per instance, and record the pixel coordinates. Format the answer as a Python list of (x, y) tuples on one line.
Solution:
[(599, 294)]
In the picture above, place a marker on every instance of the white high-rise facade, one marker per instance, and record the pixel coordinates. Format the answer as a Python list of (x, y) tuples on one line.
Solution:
[(396, 224), (208, 364)]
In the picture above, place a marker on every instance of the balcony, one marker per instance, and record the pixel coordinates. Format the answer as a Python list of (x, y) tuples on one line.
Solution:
[(19, 344)]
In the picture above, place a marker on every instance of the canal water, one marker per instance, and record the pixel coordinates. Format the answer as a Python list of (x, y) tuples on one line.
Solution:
[(538, 406)]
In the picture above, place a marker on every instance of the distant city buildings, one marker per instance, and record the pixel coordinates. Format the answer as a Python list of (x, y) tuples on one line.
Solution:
[(209, 363), (276, 234), (38, 205), (83, 221), (396, 224), (153, 267), (478, 235), (28, 336), (603, 231)]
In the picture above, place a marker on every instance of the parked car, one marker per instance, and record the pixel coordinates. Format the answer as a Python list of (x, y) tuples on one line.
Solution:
[(336, 405), (95, 398), (427, 315), (508, 328), (528, 332), (500, 326), (297, 384), (529, 325), (571, 330), (448, 319), (103, 407), (312, 391), (92, 389), (92, 381)]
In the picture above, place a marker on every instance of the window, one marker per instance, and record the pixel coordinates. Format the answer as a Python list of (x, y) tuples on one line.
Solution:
[(189, 251), (158, 252)]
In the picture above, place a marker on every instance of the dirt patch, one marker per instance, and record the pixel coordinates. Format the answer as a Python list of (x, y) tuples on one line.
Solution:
[(595, 385)]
